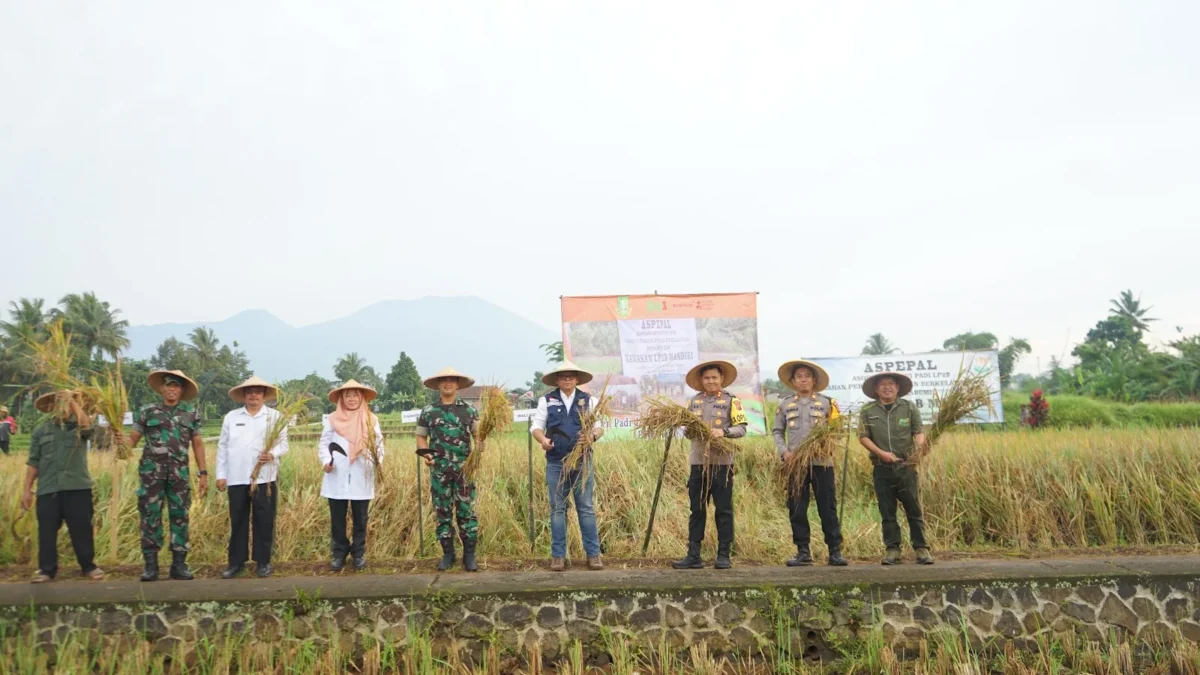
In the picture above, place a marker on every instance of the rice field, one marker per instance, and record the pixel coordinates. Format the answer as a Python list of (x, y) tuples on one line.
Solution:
[(995, 493)]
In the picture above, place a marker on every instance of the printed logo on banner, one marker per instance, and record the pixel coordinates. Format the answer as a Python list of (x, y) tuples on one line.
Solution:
[(623, 305)]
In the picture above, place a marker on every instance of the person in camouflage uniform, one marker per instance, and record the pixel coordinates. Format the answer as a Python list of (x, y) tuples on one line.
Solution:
[(444, 439), (169, 427)]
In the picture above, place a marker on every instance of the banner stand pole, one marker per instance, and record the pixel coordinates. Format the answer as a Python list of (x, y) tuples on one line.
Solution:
[(420, 509), (662, 472), (845, 465), (529, 505)]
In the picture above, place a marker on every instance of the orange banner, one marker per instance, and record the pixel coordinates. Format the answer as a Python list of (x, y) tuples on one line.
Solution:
[(617, 307)]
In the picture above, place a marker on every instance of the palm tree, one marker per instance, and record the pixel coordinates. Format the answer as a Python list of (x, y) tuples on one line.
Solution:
[(971, 341), (26, 324), (354, 367), (1010, 356), (554, 352), (1131, 308), (93, 323), (878, 345), (206, 347)]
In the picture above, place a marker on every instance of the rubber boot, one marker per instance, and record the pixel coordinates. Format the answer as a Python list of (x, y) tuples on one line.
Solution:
[(179, 568), (723, 556), (803, 558), (447, 554), (151, 571), (692, 561), (469, 563), (836, 559)]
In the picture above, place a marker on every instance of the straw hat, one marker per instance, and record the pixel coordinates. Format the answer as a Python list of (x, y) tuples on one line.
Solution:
[(728, 374), (550, 379), (238, 394), (3, 410), (368, 393), (45, 402), (903, 383), (158, 377), (463, 380), (786, 370)]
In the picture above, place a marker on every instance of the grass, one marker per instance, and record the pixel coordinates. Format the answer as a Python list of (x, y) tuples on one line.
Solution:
[(1026, 492)]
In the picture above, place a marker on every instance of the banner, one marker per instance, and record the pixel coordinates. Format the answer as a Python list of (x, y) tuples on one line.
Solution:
[(931, 372), (644, 345)]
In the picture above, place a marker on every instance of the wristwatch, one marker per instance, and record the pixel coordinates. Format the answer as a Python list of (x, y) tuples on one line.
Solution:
[(203, 472)]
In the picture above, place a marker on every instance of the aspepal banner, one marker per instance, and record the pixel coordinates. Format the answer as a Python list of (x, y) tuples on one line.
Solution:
[(930, 372), (644, 345)]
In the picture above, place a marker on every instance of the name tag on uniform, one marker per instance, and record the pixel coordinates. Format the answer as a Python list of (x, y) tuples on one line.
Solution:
[(554, 403), (239, 424)]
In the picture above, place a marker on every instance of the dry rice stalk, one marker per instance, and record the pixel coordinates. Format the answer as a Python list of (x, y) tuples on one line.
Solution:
[(288, 405), (495, 418), (968, 393), (106, 396), (581, 454), (372, 445), (660, 416), (52, 358), (820, 444)]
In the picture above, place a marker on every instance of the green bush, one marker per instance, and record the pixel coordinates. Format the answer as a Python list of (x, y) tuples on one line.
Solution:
[(1083, 411)]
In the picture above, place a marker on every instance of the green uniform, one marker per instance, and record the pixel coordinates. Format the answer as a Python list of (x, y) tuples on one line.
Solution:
[(164, 471), (59, 453), (892, 428), (450, 429)]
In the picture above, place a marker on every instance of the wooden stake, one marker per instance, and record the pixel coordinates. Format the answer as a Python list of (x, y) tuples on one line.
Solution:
[(420, 508), (662, 472)]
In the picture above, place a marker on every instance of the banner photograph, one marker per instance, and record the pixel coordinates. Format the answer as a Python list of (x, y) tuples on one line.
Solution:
[(931, 372), (643, 345)]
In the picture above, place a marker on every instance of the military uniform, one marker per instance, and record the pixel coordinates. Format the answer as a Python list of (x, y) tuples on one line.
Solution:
[(450, 429), (163, 472), (892, 428), (795, 419), (720, 411)]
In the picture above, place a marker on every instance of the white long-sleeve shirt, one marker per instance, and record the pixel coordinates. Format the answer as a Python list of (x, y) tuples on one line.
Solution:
[(543, 410), (242, 439), (348, 480)]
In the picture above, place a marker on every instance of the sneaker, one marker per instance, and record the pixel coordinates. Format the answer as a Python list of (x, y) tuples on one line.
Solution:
[(558, 564), (923, 557), (892, 557), (97, 574), (40, 577), (593, 563)]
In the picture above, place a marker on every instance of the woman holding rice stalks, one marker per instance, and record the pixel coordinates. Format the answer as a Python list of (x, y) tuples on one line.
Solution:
[(558, 426), (445, 431), (890, 428), (805, 442), (711, 476), (169, 426), (351, 465), (243, 461)]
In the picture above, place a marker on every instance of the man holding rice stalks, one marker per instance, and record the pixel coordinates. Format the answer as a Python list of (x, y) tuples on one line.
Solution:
[(58, 462), (795, 421), (890, 427), (169, 426), (711, 474), (444, 433), (349, 482), (242, 461), (558, 426)]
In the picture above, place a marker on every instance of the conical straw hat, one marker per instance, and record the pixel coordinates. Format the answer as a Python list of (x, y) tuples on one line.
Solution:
[(785, 374), (550, 379), (903, 384), (190, 388), (728, 374), (463, 380), (368, 393), (239, 395)]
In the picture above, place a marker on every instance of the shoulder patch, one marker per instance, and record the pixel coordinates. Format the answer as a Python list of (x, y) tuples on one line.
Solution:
[(427, 408)]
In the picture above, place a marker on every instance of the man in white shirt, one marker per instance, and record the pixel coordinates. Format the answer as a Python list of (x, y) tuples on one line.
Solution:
[(240, 449)]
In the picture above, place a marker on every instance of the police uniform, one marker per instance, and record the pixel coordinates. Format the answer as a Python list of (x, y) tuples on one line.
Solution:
[(796, 417)]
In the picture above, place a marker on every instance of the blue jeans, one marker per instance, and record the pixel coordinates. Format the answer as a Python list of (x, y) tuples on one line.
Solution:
[(582, 488)]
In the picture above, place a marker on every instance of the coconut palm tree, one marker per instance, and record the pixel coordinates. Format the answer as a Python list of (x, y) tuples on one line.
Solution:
[(878, 345), (92, 323), (354, 367), (1131, 308), (554, 352), (206, 347)]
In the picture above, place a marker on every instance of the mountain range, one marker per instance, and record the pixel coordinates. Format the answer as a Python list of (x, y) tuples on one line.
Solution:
[(470, 334)]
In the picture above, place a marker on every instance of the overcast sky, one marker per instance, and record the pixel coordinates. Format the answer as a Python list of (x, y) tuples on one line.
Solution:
[(917, 168)]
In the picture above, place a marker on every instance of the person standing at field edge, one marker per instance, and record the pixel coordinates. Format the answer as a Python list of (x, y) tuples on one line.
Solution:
[(240, 449), (58, 462), (445, 436), (349, 483), (169, 427), (890, 427), (711, 474), (558, 426), (8, 427), (796, 417)]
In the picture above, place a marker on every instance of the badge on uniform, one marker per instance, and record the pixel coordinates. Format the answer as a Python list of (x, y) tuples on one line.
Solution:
[(904, 421)]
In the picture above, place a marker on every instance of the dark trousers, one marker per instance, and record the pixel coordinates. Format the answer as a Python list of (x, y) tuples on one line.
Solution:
[(337, 519), (821, 481), (75, 508), (718, 488), (899, 484), (4, 446), (260, 509)]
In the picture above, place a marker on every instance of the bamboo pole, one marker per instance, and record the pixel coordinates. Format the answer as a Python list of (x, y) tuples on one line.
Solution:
[(662, 472), (529, 505), (845, 466), (420, 509)]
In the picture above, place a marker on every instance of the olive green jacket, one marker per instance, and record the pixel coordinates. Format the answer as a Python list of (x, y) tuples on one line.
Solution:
[(59, 453), (892, 430)]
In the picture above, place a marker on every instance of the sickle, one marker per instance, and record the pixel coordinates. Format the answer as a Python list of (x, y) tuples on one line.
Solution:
[(334, 447)]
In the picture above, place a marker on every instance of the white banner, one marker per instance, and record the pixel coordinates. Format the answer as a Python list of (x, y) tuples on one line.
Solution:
[(931, 372), (652, 346)]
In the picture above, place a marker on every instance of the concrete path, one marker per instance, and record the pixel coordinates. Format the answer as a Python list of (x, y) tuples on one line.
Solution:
[(366, 586)]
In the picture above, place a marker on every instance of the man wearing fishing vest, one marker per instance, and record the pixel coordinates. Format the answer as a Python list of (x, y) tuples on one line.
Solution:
[(711, 474), (557, 427), (795, 419)]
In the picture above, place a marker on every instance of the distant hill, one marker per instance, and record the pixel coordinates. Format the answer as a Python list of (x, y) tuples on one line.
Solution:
[(468, 333)]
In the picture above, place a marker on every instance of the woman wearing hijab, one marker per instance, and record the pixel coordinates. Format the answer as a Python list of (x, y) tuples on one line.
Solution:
[(349, 464)]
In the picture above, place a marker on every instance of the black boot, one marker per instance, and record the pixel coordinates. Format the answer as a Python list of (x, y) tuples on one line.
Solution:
[(447, 554), (692, 561), (803, 557), (835, 557), (151, 571), (179, 568), (469, 563), (723, 556)]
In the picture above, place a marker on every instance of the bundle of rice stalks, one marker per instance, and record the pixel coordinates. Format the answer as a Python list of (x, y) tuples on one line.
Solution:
[(106, 396), (661, 416), (52, 358), (371, 445), (288, 405), (820, 444), (579, 457), (495, 418), (968, 393)]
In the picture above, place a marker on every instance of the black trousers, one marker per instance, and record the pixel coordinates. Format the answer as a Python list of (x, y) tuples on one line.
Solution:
[(337, 519), (821, 481), (899, 484), (719, 489), (242, 510), (4, 446), (75, 508)]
